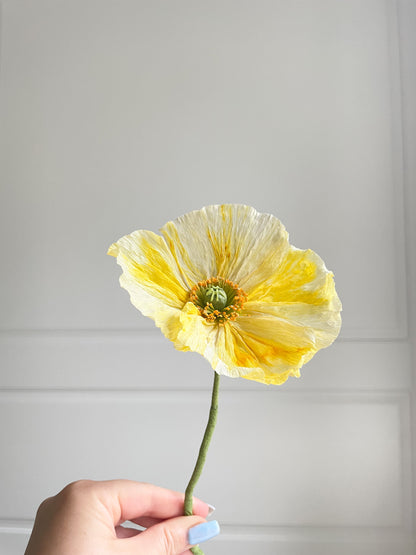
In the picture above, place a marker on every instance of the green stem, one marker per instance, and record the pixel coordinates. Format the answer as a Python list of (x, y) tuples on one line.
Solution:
[(212, 420)]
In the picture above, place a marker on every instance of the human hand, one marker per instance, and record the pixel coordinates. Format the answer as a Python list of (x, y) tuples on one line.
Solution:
[(85, 518)]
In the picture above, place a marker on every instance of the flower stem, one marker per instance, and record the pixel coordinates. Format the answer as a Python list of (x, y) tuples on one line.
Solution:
[(212, 420)]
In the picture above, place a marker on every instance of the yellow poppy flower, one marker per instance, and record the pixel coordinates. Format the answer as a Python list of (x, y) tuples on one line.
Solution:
[(224, 281)]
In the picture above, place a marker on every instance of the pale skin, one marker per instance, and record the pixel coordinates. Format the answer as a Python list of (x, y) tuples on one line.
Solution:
[(85, 518)]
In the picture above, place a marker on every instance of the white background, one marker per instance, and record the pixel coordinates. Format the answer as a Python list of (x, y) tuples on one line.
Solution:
[(120, 115)]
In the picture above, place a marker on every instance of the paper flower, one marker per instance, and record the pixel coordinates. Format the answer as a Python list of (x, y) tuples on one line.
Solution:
[(225, 282)]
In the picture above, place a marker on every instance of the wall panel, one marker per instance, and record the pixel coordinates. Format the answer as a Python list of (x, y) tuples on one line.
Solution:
[(151, 109), (117, 116), (287, 439)]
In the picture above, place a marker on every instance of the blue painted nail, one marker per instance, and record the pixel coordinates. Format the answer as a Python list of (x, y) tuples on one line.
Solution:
[(203, 532)]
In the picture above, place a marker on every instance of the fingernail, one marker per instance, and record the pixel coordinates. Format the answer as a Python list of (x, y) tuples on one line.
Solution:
[(211, 510), (203, 532)]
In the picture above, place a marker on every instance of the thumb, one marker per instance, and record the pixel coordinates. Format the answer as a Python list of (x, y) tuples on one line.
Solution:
[(169, 537)]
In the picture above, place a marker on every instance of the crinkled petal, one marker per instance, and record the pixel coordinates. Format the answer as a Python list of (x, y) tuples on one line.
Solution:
[(230, 240), (231, 352), (152, 279), (320, 322), (208, 339), (271, 348), (148, 265), (301, 277), (270, 342), (196, 333), (229, 355), (166, 317)]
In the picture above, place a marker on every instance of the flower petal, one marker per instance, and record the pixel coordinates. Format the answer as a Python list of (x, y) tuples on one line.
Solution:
[(301, 277), (237, 354), (166, 317), (321, 322), (210, 340), (152, 279), (269, 343), (277, 347), (230, 240), (148, 264)]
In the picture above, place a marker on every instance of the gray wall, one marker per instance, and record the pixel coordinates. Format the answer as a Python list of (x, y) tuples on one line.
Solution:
[(119, 115)]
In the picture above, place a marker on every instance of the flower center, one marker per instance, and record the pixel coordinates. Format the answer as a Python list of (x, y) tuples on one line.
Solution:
[(218, 299), (216, 296)]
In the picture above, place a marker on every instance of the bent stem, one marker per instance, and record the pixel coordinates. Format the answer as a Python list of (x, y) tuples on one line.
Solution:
[(212, 420)]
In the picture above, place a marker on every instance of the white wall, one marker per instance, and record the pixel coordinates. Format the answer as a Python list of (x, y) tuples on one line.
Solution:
[(122, 115)]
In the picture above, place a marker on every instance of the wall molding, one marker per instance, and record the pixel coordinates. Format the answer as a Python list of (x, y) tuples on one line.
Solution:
[(120, 360), (152, 332), (97, 402), (248, 540)]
